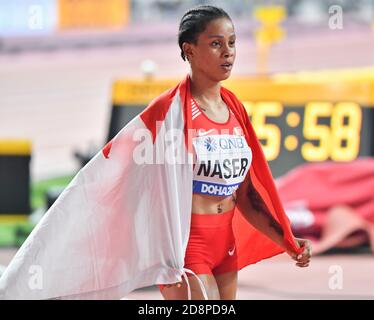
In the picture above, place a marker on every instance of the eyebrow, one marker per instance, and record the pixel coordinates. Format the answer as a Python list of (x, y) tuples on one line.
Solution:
[(219, 35)]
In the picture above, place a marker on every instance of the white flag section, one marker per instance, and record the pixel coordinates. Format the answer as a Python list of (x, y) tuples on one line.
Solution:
[(117, 226)]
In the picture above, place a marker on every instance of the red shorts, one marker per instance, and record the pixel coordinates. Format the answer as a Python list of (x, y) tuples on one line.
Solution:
[(211, 245)]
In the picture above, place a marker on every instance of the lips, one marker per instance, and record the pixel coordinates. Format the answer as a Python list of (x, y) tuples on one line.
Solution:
[(226, 66)]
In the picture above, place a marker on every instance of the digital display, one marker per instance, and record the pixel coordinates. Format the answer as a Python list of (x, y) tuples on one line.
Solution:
[(296, 121), (313, 132)]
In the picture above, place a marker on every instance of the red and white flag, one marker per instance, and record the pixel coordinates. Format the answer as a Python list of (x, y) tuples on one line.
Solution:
[(123, 222)]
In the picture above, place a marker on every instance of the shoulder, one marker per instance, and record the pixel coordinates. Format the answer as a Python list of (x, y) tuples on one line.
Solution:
[(231, 98), (164, 99), (235, 104), (159, 106), (157, 109), (228, 92)]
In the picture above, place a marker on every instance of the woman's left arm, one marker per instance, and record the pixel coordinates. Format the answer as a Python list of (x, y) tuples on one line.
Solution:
[(257, 214)]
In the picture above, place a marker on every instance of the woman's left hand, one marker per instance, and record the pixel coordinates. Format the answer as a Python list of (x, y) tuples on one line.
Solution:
[(303, 258)]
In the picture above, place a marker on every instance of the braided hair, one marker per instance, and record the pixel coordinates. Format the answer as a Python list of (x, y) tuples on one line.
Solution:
[(194, 22)]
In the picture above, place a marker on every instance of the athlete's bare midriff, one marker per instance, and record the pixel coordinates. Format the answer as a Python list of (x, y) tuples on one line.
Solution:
[(203, 204)]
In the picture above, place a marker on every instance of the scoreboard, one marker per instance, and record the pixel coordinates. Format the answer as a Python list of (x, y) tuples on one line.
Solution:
[(309, 117), (310, 121)]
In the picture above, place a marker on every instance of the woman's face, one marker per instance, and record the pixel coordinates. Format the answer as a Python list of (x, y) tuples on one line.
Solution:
[(214, 53)]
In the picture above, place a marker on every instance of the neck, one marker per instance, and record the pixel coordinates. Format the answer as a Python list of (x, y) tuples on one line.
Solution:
[(204, 89)]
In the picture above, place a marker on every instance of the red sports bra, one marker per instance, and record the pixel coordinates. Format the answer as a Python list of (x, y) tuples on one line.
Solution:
[(222, 156)]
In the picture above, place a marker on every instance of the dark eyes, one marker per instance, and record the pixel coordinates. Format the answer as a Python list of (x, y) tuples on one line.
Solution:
[(218, 43)]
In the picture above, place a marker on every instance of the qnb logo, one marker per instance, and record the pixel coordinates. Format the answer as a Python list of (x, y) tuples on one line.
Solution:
[(231, 143), (210, 144)]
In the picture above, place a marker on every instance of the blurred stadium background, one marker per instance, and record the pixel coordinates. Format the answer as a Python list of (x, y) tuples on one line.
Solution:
[(73, 72)]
